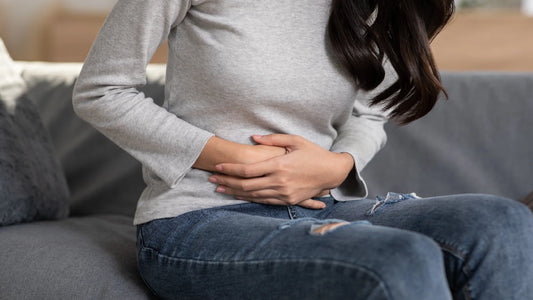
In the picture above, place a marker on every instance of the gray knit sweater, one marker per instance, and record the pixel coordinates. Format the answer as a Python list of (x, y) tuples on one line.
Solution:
[(235, 68)]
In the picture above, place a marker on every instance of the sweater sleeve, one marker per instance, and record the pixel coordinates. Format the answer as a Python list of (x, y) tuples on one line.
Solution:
[(106, 92), (362, 136)]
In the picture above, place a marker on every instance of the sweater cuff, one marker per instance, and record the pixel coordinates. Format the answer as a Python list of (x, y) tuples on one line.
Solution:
[(354, 187)]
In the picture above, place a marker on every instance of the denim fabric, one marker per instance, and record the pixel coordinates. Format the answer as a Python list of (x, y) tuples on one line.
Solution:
[(399, 247)]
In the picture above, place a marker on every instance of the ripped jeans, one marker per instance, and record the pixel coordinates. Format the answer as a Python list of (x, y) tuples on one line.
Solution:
[(460, 247)]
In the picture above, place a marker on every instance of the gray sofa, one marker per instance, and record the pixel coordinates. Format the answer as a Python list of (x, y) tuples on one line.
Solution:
[(479, 141)]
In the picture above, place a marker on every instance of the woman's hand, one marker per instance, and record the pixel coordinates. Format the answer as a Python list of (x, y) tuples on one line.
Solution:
[(306, 170), (251, 154), (218, 151)]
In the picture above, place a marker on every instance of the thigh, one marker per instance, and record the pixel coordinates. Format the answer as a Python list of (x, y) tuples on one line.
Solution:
[(486, 240), (229, 254), (453, 220)]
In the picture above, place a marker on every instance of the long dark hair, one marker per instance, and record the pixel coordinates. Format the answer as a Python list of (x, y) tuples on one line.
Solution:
[(364, 32)]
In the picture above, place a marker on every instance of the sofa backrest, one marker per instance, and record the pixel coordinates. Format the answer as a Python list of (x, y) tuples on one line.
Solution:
[(478, 141)]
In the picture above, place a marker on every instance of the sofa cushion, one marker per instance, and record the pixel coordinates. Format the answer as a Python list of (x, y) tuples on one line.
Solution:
[(32, 184), (77, 258)]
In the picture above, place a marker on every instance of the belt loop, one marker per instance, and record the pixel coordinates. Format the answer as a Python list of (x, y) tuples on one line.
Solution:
[(292, 212)]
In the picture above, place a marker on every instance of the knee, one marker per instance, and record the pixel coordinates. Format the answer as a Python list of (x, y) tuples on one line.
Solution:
[(405, 264), (411, 252), (515, 220), (501, 213), (496, 218), (412, 265)]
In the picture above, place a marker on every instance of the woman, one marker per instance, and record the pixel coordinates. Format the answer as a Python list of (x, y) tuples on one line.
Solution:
[(251, 160)]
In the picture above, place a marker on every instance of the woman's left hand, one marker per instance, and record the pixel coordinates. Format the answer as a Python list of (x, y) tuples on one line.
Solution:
[(292, 179)]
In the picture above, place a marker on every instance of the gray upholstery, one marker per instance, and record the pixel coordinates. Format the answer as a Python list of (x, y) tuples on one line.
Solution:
[(96, 169), (478, 141), (528, 200), (78, 258), (32, 184)]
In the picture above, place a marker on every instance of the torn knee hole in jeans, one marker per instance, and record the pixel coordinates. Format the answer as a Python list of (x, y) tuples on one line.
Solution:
[(320, 229), (391, 198)]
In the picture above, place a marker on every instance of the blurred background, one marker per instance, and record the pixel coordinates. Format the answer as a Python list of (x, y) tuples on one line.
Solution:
[(484, 34)]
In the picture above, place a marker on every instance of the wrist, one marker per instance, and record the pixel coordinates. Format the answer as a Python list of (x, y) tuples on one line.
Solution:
[(344, 165), (217, 151), (250, 154), (243, 154)]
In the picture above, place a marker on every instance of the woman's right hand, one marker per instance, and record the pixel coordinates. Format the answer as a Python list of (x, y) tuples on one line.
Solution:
[(257, 153), (287, 179)]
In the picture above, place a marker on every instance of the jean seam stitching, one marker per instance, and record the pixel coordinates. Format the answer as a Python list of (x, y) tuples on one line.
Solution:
[(465, 269), (141, 248)]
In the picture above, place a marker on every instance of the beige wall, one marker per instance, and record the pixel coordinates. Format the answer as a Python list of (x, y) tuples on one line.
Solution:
[(63, 30), (23, 23), (486, 41)]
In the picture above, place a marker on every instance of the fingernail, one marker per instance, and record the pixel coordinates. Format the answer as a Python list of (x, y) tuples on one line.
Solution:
[(321, 205), (213, 179), (257, 136), (221, 189), (218, 167)]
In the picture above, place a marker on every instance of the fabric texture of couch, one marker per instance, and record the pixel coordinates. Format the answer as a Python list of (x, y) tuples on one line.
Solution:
[(478, 141), (32, 183)]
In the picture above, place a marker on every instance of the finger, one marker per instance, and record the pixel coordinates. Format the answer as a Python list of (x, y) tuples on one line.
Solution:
[(312, 204), (242, 195), (267, 201), (309, 203), (247, 170), (242, 184), (280, 140), (269, 197)]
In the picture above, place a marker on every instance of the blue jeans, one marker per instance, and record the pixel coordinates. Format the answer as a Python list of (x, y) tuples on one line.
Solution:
[(461, 246)]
